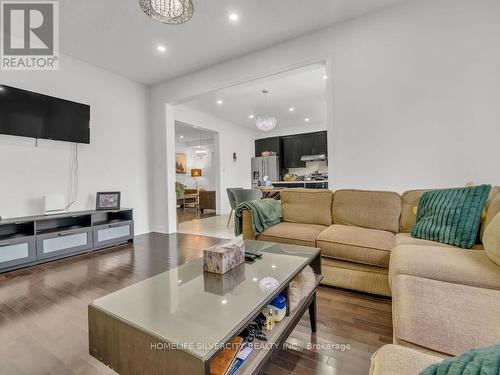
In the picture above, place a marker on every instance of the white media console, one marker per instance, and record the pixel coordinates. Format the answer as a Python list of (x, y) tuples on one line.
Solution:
[(30, 240)]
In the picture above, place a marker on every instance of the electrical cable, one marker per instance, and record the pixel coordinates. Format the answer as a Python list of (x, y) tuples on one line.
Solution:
[(73, 181)]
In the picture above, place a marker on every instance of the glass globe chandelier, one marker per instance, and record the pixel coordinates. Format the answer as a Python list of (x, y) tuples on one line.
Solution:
[(200, 152), (168, 11), (265, 122)]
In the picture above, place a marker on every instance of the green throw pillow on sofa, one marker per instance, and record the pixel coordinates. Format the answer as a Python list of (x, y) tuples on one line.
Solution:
[(477, 361), (451, 216)]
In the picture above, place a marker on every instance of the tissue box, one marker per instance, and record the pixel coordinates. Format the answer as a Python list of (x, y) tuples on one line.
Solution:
[(223, 258)]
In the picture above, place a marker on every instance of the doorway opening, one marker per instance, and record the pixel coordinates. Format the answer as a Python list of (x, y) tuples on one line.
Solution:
[(196, 163)]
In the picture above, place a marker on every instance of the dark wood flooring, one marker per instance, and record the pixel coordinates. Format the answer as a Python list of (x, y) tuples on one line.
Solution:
[(189, 214), (43, 313)]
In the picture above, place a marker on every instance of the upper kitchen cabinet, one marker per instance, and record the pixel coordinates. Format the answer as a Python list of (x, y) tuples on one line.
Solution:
[(314, 143), (272, 144), (292, 152)]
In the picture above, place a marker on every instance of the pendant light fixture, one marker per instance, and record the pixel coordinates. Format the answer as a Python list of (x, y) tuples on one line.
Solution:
[(265, 122), (168, 11), (200, 152)]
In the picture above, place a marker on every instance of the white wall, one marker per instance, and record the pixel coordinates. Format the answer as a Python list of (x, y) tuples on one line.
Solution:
[(415, 93), (281, 131), (207, 166), (118, 157), (231, 138)]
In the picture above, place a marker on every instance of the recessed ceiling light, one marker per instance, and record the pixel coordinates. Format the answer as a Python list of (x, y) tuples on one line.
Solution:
[(161, 48), (181, 137), (325, 77), (233, 17), (219, 102), (306, 120), (223, 301), (291, 109), (251, 116)]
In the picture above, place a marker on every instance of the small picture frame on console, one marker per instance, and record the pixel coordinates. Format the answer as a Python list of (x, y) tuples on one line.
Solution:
[(109, 200)]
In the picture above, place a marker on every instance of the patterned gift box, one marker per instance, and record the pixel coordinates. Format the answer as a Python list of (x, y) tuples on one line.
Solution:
[(223, 258)]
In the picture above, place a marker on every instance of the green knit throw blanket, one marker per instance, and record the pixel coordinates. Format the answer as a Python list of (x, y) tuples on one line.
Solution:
[(451, 216), (482, 361)]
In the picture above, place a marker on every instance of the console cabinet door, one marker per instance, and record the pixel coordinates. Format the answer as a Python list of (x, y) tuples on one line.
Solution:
[(109, 234), (17, 251), (65, 242)]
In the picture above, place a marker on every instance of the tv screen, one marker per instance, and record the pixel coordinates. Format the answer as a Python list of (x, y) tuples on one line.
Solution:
[(29, 114)]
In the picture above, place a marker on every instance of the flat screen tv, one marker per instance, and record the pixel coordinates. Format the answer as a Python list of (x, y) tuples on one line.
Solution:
[(29, 114)]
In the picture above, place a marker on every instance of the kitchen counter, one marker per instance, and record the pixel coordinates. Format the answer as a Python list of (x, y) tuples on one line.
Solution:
[(299, 182), (303, 184)]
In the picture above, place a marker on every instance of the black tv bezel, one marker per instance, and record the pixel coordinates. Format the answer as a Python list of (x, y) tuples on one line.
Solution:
[(51, 97)]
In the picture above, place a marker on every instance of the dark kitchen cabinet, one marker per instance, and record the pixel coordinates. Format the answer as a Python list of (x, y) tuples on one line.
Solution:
[(272, 144), (314, 143), (320, 143), (260, 146), (292, 152)]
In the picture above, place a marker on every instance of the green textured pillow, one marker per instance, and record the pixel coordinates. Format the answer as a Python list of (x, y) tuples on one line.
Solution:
[(451, 216), (475, 362)]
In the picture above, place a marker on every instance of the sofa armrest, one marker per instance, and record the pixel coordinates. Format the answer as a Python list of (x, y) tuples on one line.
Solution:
[(247, 227)]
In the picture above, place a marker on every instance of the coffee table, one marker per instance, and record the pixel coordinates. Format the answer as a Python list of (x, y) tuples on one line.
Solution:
[(178, 321)]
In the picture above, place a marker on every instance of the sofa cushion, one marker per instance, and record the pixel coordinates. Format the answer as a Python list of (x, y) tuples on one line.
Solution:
[(307, 206), (356, 244), (397, 360), (409, 200), (451, 216), (492, 240), (444, 317), (292, 233), (407, 239), (492, 209), (368, 209), (454, 265)]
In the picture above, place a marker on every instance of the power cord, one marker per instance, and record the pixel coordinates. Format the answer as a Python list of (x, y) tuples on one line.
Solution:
[(73, 182)]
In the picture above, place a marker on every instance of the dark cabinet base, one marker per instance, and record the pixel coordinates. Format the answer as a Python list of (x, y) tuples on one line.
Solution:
[(32, 240)]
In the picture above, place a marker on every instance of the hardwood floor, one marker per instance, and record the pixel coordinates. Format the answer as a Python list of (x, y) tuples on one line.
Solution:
[(43, 313)]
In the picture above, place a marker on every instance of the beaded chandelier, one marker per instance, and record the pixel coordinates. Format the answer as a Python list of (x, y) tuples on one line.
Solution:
[(168, 11)]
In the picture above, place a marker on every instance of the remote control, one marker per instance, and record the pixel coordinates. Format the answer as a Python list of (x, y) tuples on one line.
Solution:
[(258, 255)]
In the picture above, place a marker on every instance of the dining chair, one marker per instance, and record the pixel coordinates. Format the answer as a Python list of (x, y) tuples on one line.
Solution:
[(246, 195), (232, 201)]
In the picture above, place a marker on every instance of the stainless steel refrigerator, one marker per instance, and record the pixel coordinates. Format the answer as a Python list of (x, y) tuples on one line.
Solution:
[(265, 166)]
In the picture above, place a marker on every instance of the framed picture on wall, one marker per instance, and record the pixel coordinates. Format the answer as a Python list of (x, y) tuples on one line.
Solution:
[(109, 200), (180, 163)]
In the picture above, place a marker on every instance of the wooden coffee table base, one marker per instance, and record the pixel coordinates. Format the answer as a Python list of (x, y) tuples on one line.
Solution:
[(130, 351)]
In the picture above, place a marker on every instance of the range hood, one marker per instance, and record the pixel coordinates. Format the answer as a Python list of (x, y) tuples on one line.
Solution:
[(319, 157)]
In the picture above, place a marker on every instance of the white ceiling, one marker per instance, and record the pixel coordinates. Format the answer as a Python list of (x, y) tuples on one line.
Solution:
[(190, 133), (116, 35), (303, 89)]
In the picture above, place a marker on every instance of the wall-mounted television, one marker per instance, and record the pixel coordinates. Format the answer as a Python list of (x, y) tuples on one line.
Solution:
[(30, 114)]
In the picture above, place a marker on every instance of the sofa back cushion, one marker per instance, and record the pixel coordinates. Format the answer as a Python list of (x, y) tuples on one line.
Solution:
[(308, 206), (367, 209), (492, 209), (409, 200)]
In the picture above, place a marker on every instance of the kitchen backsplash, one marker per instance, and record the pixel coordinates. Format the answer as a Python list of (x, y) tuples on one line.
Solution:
[(311, 166)]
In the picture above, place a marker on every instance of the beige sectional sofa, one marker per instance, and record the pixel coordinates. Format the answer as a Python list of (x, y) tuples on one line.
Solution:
[(446, 300)]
